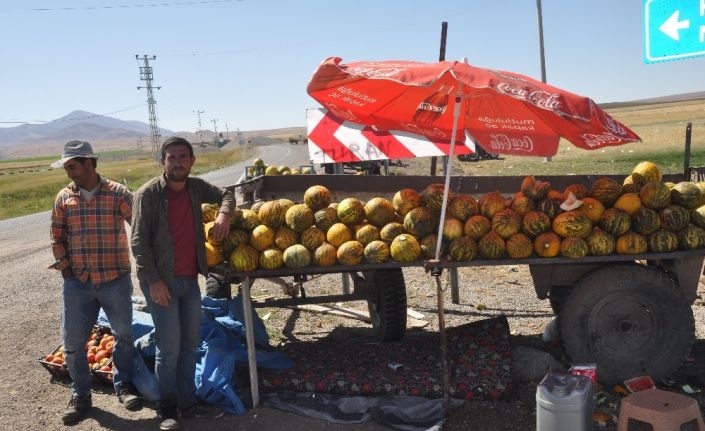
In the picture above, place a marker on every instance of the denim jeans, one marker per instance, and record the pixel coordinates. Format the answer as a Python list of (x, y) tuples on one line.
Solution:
[(177, 336), (82, 302)]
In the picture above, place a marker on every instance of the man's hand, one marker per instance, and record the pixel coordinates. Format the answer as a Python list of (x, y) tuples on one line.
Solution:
[(67, 273), (221, 227), (160, 293)]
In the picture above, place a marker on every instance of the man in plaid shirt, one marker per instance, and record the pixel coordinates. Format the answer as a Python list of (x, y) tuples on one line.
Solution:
[(92, 253)]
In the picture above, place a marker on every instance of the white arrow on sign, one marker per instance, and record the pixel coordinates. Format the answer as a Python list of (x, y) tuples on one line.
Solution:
[(671, 26)]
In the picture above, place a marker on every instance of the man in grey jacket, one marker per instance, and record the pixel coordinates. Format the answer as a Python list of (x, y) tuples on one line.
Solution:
[(168, 243)]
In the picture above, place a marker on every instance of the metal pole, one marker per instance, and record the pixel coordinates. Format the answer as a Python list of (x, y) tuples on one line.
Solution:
[(444, 342), (250, 338), (686, 157), (441, 57), (542, 55)]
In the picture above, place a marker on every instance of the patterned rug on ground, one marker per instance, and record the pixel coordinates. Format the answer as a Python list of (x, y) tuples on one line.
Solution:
[(479, 356)]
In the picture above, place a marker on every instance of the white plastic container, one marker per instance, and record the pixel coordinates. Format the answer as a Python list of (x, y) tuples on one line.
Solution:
[(564, 402)]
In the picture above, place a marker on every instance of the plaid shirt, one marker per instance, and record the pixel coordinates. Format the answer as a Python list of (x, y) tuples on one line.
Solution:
[(90, 236)]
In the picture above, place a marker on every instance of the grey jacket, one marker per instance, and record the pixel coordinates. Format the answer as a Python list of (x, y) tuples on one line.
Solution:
[(152, 244)]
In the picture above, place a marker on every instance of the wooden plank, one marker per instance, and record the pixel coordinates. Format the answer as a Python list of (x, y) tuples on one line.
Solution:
[(350, 313), (415, 314)]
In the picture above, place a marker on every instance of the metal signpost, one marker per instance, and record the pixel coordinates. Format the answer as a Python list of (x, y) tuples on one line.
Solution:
[(673, 30)]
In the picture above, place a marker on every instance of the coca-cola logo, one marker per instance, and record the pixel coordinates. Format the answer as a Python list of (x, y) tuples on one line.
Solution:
[(425, 106), (433, 133), (615, 126), (373, 72), (542, 99), (502, 142), (593, 141)]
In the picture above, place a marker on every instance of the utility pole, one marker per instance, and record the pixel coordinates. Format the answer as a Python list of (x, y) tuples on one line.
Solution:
[(227, 132), (215, 130), (200, 129), (146, 76), (542, 55)]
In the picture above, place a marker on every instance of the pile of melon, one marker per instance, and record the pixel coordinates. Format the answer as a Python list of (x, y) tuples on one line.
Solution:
[(260, 168), (641, 215)]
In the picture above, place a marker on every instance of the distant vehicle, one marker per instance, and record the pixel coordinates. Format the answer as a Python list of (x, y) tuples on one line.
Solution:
[(479, 154)]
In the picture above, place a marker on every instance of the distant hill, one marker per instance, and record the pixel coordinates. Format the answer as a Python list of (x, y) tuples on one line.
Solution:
[(75, 125), (698, 95)]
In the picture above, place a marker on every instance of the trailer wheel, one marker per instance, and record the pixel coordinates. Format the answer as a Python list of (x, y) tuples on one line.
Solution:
[(386, 303), (631, 320)]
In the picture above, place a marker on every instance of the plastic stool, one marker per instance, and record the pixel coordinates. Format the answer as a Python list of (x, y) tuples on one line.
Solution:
[(665, 411)]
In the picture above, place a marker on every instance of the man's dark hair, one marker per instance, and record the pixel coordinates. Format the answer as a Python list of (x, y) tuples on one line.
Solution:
[(176, 140), (82, 160)]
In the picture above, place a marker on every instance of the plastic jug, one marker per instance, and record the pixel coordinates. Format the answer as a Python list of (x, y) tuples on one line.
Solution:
[(564, 402)]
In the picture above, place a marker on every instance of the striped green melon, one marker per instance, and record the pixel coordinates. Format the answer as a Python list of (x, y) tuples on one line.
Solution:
[(572, 223), (631, 243), (697, 216), (214, 255), (462, 249), (491, 246), (235, 237), (645, 172), (551, 206), (312, 238), (405, 248), (262, 237), (271, 214), (655, 195), (299, 217), (432, 196), (405, 200), (249, 220), (663, 241), (615, 221), (317, 197), (351, 211), (256, 206), (519, 246), (605, 190), (428, 246), (297, 256), (574, 247), (452, 228), (367, 233), (686, 194), (285, 237), (325, 218), (338, 234), (646, 221), (350, 253), (244, 258), (379, 211), (579, 191), (535, 222), (491, 203), (477, 226), (462, 207), (522, 204), (325, 255), (271, 258), (208, 212), (506, 222), (600, 243), (391, 231), (629, 186), (691, 237), (421, 221), (377, 252), (674, 218)]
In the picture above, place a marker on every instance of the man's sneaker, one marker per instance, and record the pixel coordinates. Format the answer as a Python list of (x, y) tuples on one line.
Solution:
[(201, 411), (167, 418), (77, 409), (128, 396)]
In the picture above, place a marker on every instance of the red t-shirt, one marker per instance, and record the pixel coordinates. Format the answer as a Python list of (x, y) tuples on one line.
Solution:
[(182, 231)]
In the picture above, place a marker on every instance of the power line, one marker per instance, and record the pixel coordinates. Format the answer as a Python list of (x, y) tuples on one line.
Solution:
[(127, 6), (146, 76)]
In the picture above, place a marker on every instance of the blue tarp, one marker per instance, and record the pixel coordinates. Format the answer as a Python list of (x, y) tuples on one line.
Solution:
[(223, 349)]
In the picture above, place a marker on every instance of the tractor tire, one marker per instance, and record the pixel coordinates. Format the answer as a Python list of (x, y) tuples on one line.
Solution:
[(386, 303), (631, 320)]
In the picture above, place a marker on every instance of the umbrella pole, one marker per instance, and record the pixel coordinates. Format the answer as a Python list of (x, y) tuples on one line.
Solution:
[(437, 270)]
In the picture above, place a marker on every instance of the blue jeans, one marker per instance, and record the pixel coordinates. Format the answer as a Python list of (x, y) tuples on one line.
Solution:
[(177, 336), (82, 302)]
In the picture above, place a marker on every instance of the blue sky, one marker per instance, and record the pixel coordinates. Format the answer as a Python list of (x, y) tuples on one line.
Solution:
[(247, 63)]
